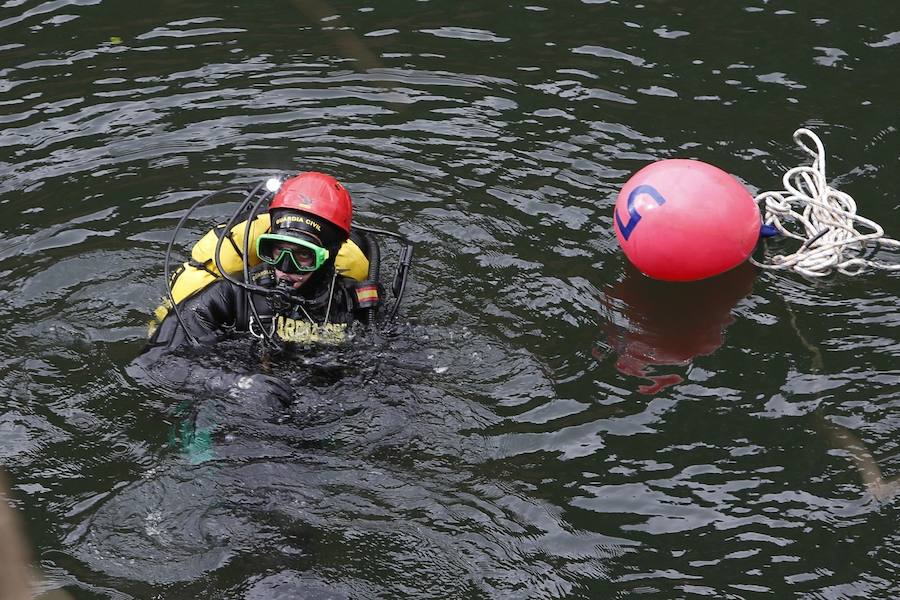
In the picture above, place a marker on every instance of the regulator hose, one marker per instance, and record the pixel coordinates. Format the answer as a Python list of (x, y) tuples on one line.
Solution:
[(167, 261)]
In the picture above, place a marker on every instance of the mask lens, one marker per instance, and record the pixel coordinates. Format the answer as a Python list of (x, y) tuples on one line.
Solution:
[(303, 257)]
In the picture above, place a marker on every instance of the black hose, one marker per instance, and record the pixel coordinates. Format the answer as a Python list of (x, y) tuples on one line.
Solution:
[(227, 231), (246, 264), (400, 278), (168, 259), (383, 232), (405, 261), (373, 253)]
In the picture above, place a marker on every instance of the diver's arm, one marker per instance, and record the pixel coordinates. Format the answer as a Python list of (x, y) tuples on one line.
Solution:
[(185, 375), (204, 316), (347, 307)]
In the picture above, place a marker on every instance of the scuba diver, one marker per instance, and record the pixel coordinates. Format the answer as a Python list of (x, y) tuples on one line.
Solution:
[(297, 274)]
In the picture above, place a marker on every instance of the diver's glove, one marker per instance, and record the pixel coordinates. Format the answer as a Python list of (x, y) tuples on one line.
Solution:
[(256, 386)]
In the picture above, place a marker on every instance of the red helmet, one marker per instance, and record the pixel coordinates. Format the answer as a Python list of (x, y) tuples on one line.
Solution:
[(318, 194)]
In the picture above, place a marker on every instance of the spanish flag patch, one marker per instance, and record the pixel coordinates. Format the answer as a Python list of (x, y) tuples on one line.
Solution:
[(367, 295)]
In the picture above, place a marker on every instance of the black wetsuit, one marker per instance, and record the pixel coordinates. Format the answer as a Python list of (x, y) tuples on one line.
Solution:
[(322, 312)]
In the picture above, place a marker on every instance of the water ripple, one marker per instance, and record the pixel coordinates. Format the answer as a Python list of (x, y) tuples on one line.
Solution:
[(551, 424)]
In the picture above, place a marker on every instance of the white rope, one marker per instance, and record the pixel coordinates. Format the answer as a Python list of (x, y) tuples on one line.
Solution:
[(828, 219)]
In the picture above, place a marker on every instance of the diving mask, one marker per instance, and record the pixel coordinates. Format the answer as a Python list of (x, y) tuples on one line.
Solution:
[(290, 254)]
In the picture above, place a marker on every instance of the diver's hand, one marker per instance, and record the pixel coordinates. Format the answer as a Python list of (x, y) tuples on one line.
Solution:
[(257, 386), (264, 385)]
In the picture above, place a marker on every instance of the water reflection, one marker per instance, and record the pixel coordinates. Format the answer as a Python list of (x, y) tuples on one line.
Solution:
[(882, 489), (378, 472), (650, 323)]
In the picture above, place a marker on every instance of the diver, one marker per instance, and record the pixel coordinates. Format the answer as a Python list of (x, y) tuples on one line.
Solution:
[(305, 277)]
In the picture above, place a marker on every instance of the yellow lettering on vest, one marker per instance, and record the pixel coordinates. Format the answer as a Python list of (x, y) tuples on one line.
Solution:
[(293, 330)]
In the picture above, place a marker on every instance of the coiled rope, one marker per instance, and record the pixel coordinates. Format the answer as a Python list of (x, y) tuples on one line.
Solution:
[(828, 219)]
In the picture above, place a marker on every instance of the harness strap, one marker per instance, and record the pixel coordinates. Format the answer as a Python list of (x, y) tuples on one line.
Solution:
[(205, 266), (175, 275), (230, 238)]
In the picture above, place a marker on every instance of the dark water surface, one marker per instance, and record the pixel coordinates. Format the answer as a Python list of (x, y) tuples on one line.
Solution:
[(549, 424)]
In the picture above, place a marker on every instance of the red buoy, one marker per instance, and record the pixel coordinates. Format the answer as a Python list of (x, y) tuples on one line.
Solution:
[(683, 220)]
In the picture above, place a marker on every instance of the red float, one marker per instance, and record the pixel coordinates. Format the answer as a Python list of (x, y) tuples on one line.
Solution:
[(683, 220)]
